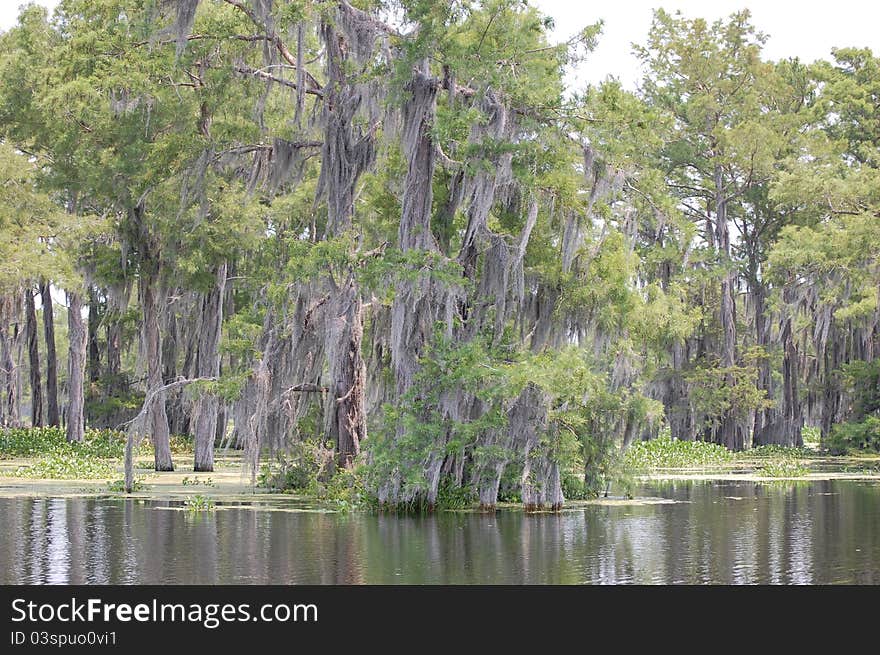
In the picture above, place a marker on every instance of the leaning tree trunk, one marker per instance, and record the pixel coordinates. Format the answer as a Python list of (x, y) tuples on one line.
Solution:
[(76, 365), (52, 413), (157, 420), (207, 406), (33, 358)]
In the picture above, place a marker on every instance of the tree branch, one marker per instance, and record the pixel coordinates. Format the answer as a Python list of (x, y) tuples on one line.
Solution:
[(273, 37), (247, 70)]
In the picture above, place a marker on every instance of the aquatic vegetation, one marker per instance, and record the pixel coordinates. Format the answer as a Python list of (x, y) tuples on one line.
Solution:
[(775, 451), (118, 486), (61, 465), (784, 468), (96, 457), (668, 453), (199, 503), (194, 482), (20, 442)]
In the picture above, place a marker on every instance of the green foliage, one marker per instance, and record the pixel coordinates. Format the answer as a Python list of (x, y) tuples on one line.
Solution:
[(181, 444), (668, 453), (26, 215), (118, 486), (450, 496), (718, 391), (199, 503), (416, 430), (127, 159), (861, 380), (344, 490), (195, 481), (811, 436), (70, 465), (573, 487), (96, 457), (299, 469), (786, 467), (857, 435), (777, 452), (28, 442)]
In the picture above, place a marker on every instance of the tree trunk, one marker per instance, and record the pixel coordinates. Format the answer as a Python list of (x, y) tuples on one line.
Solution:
[(157, 420), (207, 406), (9, 317), (763, 431), (346, 417), (177, 407), (76, 364), (729, 433), (676, 402), (117, 303), (347, 153), (33, 358), (792, 418), (52, 413), (94, 366), (541, 484), (415, 306)]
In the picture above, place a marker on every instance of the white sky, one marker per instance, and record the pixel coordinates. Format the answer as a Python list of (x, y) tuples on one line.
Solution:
[(807, 29)]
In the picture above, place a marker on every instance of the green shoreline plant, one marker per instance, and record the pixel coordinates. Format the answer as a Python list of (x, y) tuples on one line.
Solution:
[(97, 457)]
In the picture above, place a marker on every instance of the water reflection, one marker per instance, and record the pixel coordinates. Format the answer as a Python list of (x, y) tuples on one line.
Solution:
[(729, 533)]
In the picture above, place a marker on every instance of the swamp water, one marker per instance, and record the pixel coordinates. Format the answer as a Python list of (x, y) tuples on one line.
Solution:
[(727, 532)]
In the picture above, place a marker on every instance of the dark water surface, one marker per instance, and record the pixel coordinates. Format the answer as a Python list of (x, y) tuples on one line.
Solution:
[(719, 532)]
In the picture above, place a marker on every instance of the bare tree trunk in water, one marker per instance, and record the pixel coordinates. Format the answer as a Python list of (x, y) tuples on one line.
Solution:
[(33, 347), (157, 419), (52, 413), (208, 405), (76, 364)]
